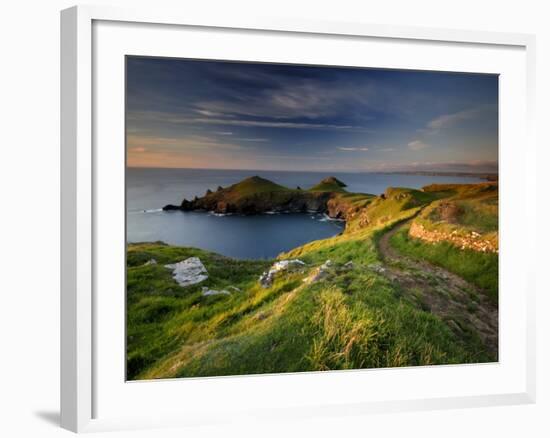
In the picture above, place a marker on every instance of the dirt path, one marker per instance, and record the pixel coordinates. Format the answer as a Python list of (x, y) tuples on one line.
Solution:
[(463, 306)]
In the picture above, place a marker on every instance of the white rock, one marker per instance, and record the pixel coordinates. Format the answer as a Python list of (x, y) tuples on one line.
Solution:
[(376, 268), (266, 279), (189, 271), (319, 273), (207, 292)]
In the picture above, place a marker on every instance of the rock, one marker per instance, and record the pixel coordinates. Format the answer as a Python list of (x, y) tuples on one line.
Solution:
[(186, 205), (262, 315), (376, 267), (266, 279), (319, 273), (349, 265), (257, 195), (170, 207), (221, 207), (209, 292), (189, 271), (150, 262)]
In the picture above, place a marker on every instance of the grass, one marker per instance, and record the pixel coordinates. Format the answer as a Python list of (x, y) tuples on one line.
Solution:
[(330, 184), (478, 268), (353, 318), (255, 185)]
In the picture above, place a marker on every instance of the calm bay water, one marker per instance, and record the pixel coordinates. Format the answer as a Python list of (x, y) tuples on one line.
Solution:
[(265, 236)]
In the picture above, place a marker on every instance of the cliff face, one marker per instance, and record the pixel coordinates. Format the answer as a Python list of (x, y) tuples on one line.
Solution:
[(258, 203), (256, 195)]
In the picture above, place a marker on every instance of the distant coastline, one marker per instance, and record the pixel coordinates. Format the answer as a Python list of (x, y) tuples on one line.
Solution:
[(486, 176)]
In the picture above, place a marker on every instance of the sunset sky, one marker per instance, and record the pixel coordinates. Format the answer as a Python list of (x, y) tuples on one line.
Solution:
[(225, 115)]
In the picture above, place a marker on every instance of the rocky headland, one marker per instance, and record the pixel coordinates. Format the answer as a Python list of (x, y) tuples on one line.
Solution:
[(256, 195)]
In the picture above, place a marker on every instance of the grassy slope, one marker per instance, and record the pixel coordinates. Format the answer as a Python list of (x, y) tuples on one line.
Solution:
[(253, 186), (478, 268), (476, 205), (354, 318), (330, 184), (477, 211)]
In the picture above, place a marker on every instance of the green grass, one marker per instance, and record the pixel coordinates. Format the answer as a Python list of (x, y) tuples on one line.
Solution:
[(478, 268), (330, 184), (161, 314), (256, 184), (354, 318)]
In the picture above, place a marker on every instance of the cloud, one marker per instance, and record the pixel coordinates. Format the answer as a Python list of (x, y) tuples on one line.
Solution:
[(138, 149), (268, 124), (448, 120), (353, 149), (208, 113), (281, 98), (254, 140), (139, 144), (178, 119), (475, 166), (417, 145)]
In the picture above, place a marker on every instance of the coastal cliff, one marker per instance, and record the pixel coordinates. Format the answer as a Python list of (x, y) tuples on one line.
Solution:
[(256, 195), (413, 271)]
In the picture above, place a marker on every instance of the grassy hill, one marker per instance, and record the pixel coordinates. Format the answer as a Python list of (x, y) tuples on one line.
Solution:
[(372, 312), (330, 184), (252, 186), (256, 195)]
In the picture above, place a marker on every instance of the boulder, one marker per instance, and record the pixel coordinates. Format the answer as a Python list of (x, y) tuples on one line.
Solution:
[(188, 272)]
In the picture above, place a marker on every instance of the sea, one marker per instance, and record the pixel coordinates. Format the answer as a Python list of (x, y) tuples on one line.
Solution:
[(245, 237)]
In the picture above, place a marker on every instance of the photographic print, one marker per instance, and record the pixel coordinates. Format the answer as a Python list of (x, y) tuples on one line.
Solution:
[(293, 218)]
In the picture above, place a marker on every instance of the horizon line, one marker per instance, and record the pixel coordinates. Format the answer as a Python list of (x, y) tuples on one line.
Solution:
[(321, 171)]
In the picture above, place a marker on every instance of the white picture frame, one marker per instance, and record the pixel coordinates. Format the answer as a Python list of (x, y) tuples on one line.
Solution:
[(81, 339)]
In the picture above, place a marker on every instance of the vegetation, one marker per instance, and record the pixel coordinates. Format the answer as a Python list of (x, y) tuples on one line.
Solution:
[(330, 184), (478, 268), (354, 317), (254, 185)]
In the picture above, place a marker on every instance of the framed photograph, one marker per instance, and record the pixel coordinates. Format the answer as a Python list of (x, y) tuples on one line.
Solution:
[(284, 218)]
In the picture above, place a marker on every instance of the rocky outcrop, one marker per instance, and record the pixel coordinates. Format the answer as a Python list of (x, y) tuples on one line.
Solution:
[(257, 195), (291, 201), (472, 240), (188, 272), (319, 273), (267, 278)]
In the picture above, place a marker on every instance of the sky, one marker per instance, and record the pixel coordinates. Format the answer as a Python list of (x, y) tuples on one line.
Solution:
[(232, 115)]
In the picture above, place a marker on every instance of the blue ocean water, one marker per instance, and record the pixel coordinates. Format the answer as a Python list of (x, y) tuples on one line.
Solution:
[(251, 237)]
